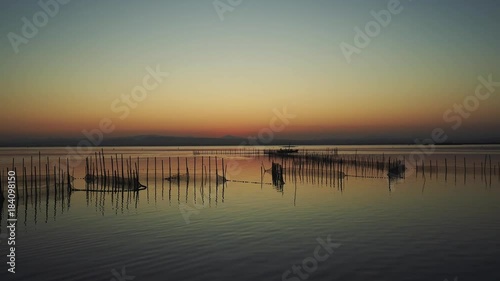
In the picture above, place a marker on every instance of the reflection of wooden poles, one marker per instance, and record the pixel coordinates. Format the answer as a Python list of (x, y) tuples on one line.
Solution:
[(194, 168), (490, 168), (445, 166), (216, 172), (1, 188), (40, 166), (123, 169), (178, 169), (26, 182), (68, 176), (485, 163), (223, 170), (465, 166), (24, 176)]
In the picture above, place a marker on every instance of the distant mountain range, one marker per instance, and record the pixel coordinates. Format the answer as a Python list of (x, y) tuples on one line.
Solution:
[(155, 140)]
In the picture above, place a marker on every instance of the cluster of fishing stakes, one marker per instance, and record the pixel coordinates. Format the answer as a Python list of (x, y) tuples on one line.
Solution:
[(116, 173), (125, 174)]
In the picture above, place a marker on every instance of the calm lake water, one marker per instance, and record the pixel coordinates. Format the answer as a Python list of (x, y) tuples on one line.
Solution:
[(434, 224)]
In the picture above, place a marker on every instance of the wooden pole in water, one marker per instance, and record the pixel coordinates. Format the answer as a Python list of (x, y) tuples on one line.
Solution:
[(465, 167), (131, 173), (60, 176), (162, 171), (104, 163), (123, 172), (112, 172), (55, 181), (136, 181), (187, 168), (223, 171), (455, 166), (147, 170), (445, 166), (35, 181), (485, 163), (91, 168), (67, 171), (490, 167), (40, 165), (138, 167), (1, 188), (31, 175), (128, 173), (96, 163), (47, 175), (86, 166), (216, 172), (24, 177), (25, 183)]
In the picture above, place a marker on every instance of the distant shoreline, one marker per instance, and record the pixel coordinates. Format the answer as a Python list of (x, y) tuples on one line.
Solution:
[(246, 146)]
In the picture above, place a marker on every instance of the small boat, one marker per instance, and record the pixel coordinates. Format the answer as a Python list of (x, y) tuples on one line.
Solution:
[(284, 150)]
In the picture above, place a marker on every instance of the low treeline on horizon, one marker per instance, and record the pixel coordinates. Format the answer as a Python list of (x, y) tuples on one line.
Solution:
[(225, 141)]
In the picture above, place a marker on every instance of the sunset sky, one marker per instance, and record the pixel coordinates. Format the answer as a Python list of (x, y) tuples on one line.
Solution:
[(226, 76)]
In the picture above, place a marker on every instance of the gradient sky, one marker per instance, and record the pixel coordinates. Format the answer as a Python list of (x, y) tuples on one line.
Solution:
[(226, 77)]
